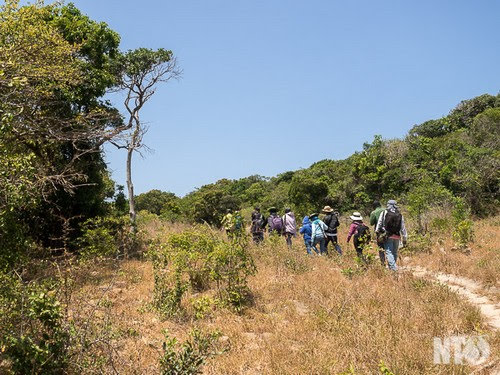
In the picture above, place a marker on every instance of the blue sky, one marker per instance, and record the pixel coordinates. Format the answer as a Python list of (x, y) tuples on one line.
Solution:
[(271, 86)]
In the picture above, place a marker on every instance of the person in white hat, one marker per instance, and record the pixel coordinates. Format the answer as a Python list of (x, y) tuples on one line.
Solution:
[(360, 232)]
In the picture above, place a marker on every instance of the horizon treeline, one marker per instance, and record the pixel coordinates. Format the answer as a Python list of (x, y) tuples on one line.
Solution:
[(456, 156)]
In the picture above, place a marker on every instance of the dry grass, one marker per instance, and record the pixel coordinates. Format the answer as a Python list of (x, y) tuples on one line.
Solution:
[(482, 263), (307, 317)]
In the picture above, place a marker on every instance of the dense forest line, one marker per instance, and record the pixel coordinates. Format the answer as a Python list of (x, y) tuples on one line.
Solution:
[(439, 161)]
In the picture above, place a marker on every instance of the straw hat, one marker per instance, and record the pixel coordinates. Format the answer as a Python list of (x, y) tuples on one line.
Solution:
[(327, 209), (356, 216)]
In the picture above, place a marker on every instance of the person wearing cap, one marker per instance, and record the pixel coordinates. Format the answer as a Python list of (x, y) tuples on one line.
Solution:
[(360, 232), (289, 226), (374, 216), (331, 220), (318, 229), (391, 226), (258, 225)]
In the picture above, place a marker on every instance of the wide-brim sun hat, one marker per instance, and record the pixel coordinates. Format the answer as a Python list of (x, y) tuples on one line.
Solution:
[(327, 209), (356, 216), (314, 214)]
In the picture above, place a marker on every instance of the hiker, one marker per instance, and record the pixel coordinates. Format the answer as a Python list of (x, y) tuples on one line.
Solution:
[(289, 226), (318, 234), (360, 234), (332, 222), (227, 222), (274, 222), (391, 227), (306, 231), (238, 224), (374, 216), (258, 225)]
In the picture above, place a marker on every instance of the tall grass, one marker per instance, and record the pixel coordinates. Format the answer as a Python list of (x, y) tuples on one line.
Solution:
[(307, 317)]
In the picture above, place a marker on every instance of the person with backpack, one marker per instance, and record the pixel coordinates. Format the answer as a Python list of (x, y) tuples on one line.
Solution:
[(360, 234), (289, 226), (274, 222), (258, 226), (306, 231), (238, 224), (318, 234), (391, 228), (331, 220), (374, 216)]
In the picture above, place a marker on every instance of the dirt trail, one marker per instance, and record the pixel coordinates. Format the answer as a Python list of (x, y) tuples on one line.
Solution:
[(470, 289)]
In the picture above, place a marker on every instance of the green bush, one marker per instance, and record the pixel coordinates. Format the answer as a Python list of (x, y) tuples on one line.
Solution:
[(188, 358), (33, 336), (423, 198), (420, 243), (166, 297), (40, 335), (15, 244), (105, 237), (463, 232), (199, 259), (203, 306)]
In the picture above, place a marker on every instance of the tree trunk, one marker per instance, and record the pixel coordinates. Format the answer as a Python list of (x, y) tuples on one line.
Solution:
[(130, 186)]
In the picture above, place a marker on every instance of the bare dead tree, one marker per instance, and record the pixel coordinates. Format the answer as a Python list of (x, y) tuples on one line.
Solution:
[(141, 72)]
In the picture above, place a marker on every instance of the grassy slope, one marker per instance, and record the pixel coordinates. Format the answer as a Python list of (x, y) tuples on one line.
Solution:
[(307, 317), (483, 262)]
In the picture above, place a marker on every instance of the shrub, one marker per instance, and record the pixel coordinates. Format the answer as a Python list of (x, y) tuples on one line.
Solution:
[(188, 358), (41, 334), (463, 232), (203, 306), (33, 336), (423, 198), (420, 243), (199, 259), (167, 298), (106, 237)]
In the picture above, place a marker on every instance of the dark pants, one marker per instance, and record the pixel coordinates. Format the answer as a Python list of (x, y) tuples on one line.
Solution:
[(288, 237), (258, 237), (333, 240)]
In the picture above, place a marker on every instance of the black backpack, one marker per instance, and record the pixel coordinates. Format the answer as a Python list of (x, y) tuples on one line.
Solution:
[(392, 222), (362, 234), (333, 223), (258, 221)]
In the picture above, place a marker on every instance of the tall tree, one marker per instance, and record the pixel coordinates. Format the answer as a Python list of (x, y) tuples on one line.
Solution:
[(45, 140), (141, 71)]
